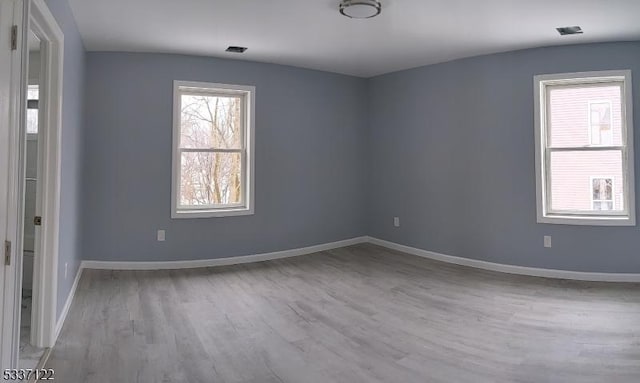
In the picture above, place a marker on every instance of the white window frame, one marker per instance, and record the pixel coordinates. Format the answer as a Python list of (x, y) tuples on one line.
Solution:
[(627, 217), (590, 103), (248, 164), (613, 190)]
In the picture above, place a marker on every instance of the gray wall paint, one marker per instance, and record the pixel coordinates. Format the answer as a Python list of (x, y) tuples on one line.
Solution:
[(448, 148), (72, 148), (309, 159), (452, 154)]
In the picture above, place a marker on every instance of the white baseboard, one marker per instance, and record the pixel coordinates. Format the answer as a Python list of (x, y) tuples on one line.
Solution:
[(67, 304), (509, 269), (108, 265)]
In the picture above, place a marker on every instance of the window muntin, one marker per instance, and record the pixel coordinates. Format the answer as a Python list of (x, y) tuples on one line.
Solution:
[(213, 150), (581, 129)]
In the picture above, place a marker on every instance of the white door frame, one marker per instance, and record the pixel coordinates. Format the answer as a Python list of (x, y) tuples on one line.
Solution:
[(45, 265), (13, 99)]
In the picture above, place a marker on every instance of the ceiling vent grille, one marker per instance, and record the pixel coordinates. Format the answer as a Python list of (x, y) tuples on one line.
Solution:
[(234, 49), (564, 31)]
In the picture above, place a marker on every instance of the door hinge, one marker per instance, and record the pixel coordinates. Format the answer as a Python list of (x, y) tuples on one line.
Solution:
[(7, 253), (37, 221), (14, 37)]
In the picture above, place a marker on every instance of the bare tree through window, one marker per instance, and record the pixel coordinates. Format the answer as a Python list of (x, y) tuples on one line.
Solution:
[(213, 150), (212, 143)]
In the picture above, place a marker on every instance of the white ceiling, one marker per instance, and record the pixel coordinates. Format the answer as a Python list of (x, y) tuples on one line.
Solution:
[(313, 34)]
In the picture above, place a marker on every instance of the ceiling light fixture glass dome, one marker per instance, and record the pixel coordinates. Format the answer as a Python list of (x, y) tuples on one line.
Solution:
[(360, 9)]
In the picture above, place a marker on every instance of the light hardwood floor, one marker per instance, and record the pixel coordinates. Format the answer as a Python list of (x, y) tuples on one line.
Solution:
[(357, 314)]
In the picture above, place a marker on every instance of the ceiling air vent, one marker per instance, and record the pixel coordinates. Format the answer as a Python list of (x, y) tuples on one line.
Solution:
[(234, 49), (564, 31)]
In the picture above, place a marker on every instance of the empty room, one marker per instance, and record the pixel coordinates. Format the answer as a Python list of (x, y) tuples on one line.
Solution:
[(326, 191)]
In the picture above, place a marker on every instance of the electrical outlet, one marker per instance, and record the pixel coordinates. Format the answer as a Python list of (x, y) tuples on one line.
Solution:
[(66, 269), (161, 235), (396, 221), (547, 241)]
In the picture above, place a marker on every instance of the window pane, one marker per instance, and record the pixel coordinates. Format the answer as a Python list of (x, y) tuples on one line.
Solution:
[(579, 178), (33, 92), (210, 179), (600, 122), (602, 205), (603, 189), (211, 122), (585, 115), (32, 121)]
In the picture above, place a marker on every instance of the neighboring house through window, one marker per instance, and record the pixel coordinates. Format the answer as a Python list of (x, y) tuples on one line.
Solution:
[(212, 150), (583, 131)]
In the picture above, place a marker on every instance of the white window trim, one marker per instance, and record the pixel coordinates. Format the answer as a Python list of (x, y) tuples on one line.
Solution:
[(542, 162), (613, 190), (246, 208), (590, 103)]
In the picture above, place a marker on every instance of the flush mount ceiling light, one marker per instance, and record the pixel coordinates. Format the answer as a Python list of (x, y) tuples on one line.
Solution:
[(360, 9)]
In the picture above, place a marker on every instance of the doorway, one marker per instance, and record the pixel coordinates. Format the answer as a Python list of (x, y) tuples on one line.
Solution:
[(30, 353), (30, 141), (42, 135)]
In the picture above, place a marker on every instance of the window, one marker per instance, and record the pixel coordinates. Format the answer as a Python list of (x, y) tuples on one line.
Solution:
[(33, 95), (600, 123), (212, 150), (584, 130), (602, 193)]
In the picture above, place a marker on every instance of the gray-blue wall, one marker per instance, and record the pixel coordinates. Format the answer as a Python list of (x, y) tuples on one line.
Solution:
[(452, 154), (310, 159), (72, 149), (448, 148)]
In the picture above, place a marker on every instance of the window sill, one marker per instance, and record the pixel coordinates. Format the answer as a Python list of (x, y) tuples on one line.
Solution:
[(211, 213), (587, 220)]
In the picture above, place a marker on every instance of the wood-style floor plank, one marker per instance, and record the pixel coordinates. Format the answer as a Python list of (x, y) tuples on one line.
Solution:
[(357, 314)]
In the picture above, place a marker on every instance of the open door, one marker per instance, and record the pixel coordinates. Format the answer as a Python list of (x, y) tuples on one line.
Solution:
[(45, 267), (12, 54)]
